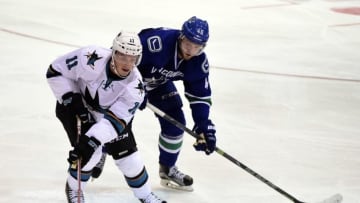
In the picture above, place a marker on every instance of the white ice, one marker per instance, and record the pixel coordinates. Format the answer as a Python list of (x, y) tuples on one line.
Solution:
[(286, 96)]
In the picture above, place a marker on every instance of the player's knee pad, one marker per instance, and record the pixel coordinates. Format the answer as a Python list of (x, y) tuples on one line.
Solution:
[(165, 97), (170, 100), (169, 128), (122, 146)]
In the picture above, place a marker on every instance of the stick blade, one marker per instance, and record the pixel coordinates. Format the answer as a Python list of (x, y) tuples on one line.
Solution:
[(337, 198)]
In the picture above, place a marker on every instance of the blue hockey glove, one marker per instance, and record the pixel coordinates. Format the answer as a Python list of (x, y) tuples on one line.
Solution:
[(207, 141)]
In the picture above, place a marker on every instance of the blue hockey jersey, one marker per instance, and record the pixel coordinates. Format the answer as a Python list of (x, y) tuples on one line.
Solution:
[(160, 63)]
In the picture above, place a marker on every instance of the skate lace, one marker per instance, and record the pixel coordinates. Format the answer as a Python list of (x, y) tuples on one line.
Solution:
[(152, 198), (174, 172)]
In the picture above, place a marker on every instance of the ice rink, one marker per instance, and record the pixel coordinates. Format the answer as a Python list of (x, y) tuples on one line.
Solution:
[(285, 76)]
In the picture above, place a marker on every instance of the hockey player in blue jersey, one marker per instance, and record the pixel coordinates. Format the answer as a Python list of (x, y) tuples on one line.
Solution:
[(103, 88), (171, 55)]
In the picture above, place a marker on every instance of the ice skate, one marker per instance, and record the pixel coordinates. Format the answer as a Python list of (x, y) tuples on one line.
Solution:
[(175, 179), (72, 195), (152, 198), (97, 170)]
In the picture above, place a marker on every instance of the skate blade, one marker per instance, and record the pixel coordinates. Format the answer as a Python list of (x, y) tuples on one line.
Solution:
[(170, 184)]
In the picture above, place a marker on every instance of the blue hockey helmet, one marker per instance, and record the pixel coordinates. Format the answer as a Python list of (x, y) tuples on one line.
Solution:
[(196, 30)]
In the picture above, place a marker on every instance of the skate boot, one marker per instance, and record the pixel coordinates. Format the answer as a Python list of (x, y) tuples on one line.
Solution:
[(152, 198), (175, 179), (96, 172), (72, 195)]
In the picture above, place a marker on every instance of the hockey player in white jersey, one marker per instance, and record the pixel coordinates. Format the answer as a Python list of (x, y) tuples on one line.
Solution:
[(103, 88)]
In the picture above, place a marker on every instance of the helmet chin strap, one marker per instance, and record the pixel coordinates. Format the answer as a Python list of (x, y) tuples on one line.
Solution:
[(113, 66)]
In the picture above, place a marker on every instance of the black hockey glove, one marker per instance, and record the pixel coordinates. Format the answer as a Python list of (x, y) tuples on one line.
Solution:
[(74, 102), (207, 141), (83, 150)]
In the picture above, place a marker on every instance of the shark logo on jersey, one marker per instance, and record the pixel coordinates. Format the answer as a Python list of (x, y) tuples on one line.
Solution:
[(92, 102), (92, 57)]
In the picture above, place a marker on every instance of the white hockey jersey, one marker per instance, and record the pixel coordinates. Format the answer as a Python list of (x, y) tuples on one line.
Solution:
[(107, 96)]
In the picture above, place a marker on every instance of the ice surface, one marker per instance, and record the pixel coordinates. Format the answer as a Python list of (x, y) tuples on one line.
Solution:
[(286, 98)]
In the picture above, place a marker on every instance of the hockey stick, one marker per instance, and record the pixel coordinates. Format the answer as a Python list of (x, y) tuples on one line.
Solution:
[(78, 125), (337, 198)]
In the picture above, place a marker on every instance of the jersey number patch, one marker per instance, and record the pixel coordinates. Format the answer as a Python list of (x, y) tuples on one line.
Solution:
[(132, 110), (71, 62)]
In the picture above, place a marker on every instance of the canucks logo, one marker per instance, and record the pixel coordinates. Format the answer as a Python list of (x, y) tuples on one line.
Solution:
[(205, 66), (92, 57)]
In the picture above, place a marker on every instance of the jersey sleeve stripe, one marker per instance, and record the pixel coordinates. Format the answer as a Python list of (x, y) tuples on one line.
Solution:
[(51, 72), (118, 124)]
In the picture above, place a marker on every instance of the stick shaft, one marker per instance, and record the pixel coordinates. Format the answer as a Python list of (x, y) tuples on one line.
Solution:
[(222, 153), (78, 125)]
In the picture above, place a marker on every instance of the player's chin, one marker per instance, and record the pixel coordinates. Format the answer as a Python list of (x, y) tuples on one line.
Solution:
[(124, 71), (187, 56)]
